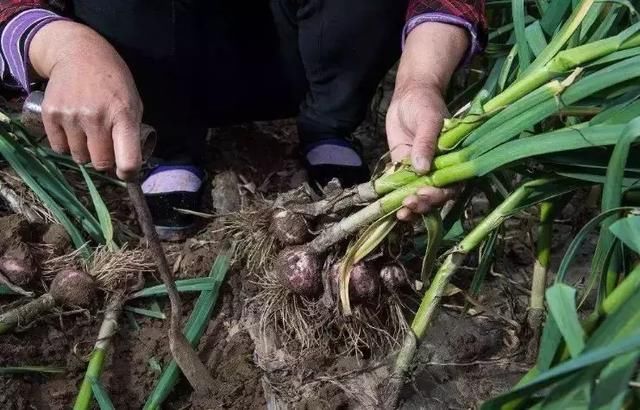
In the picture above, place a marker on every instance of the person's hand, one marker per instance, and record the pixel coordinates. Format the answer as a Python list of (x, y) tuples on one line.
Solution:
[(91, 106), (417, 111)]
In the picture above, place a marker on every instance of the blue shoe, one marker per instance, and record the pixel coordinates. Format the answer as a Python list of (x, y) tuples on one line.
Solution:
[(168, 187), (330, 158)]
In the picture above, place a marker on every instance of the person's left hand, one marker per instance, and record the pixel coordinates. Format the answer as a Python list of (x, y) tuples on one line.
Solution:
[(417, 111)]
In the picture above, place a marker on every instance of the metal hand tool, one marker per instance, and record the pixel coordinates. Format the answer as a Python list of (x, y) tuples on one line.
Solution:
[(183, 353)]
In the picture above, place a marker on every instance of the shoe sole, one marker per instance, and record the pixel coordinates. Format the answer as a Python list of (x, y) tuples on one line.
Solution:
[(174, 233)]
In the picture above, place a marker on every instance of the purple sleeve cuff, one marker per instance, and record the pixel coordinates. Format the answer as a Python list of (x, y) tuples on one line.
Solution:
[(14, 44), (474, 47)]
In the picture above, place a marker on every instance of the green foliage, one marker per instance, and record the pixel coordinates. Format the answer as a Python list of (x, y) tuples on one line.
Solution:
[(562, 306), (486, 252), (617, 336), (524, 52), (39, 171), (433, 225), (13, 370), (12, 154), (606, 266), (184, 285), (581, 237), (146, 312), (102, 211), (628, 231), (562, 72), (101, 395)]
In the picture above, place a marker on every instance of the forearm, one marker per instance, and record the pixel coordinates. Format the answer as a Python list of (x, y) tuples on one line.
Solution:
[(431, 55), (62, 40)]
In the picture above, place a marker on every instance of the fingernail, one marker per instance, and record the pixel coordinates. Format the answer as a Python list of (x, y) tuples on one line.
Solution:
[(421, 164), (408, 202), (425, 191), (102, 165)]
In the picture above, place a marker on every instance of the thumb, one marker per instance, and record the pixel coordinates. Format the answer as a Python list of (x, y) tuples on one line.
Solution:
[(425, 141), (398, 140)]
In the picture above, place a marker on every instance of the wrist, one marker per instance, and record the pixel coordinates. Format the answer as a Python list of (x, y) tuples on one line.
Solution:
[(62, 40), (431, 55)]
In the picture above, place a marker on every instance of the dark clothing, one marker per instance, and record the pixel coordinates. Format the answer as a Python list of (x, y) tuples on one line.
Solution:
[(199, 63), (207, 63), (471, 11), (203, 63)]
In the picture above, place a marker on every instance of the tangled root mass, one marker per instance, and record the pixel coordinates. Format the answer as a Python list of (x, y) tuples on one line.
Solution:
[(305, 323)]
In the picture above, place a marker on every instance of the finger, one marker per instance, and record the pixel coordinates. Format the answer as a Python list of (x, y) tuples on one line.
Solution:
[(77, 141), (100, 145), (419, 205), (405, 215), (424, 143), (436, 196), (57, 138), (126, 146), (54, 130), (410, 202), (400, 151)]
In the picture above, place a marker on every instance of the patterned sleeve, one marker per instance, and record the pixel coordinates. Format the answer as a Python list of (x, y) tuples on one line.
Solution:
[(20, 20), (468, 14), (9, 8)]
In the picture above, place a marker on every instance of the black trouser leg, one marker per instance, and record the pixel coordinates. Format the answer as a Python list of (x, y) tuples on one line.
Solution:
[(323, 57), (250, 69), (159, 42), (346, 48)]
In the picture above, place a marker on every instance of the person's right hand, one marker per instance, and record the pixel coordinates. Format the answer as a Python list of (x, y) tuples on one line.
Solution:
[(91, 107)]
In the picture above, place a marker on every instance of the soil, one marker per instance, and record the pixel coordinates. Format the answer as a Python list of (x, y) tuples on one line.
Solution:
[(468, 356), (14, 229), (56, 236)]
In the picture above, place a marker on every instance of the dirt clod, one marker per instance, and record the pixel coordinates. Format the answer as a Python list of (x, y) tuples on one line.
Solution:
[(18, 265), (73, 288), (58, 238), (237, 377), (225, 193), (14, 229), (289, 227)]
